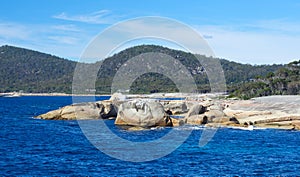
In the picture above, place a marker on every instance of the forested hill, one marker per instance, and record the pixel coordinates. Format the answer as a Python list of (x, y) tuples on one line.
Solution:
[(234, 72), (284, 81), (32, 71)]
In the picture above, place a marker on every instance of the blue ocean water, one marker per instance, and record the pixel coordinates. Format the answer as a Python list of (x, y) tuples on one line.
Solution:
[(34, 147)]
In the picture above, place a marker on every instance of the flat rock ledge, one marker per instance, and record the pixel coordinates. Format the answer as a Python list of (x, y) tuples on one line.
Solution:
[(143, 112)]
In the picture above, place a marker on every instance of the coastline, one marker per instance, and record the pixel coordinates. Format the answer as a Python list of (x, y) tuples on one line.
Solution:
[(279, 112), (50, 94), (188, 96)]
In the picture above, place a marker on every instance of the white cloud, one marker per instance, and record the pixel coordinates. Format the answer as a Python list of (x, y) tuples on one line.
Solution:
[(13, 31), (161, 30), (277, 25), (68, 28), (99, 17), (261, 42), (264, 43), (65, 39)]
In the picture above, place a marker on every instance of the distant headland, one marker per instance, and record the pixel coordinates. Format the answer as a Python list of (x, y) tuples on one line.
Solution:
[(36, 72)]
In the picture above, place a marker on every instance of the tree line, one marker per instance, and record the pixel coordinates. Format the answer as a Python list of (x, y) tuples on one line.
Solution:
[(33, 71)]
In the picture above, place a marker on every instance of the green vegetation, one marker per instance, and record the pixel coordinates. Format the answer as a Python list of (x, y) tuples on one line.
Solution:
[(285, 81), (31, 71), (234, 72), (155, 83)]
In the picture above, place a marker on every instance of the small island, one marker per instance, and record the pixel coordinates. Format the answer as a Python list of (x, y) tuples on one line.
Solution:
[(138, 112)]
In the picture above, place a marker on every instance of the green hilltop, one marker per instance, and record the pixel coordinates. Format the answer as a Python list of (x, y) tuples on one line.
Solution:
[(36, 72), (32, 71), (284, 81)]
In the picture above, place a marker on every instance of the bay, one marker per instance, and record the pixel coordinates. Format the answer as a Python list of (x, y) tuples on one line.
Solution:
[(35, 147)]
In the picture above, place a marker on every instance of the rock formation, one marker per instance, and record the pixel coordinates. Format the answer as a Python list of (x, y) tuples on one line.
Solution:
[(140, 112), (175, 106), (81, 111)]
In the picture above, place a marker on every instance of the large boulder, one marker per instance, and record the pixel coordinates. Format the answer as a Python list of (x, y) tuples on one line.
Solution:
[(296, 125), (117, 97), (176, 107), (212, 114), (196, 109), (226, 121), (142, 113), (178, 122), (108, 110), (197, 119), (90, 110), (51, 115), (81, 111)]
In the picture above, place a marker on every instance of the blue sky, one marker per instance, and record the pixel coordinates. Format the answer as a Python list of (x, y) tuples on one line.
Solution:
[(256, 32)]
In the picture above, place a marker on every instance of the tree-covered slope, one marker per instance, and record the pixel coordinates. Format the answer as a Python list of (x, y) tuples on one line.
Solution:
[(32, 71), (284, 81), (234, 72)]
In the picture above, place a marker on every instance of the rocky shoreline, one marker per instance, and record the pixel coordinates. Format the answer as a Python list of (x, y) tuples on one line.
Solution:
[(46, 94), (137, 112)]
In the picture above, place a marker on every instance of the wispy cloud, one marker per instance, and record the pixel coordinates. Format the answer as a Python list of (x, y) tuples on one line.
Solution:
[(261, 42), (68, 28), (269, 41), (275, 26), (65, 39), (98, 17), (13, 31), (136, 31), (33, 33)]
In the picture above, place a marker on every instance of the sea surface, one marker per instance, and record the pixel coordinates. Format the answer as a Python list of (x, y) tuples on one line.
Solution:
[(33, 147)]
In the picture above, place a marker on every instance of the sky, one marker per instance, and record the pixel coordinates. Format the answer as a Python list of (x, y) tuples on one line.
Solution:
[(254, 32)]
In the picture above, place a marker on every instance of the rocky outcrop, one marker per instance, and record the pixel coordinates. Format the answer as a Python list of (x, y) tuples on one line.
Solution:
[(81, 111), (212, 114), (196, 110), (197, 119), (270, 112), (175, 107), (51, 115), (241, 114), (279, 119), (295, 125), (108, 110), (142, 113), (116, 97), (178, 122)]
